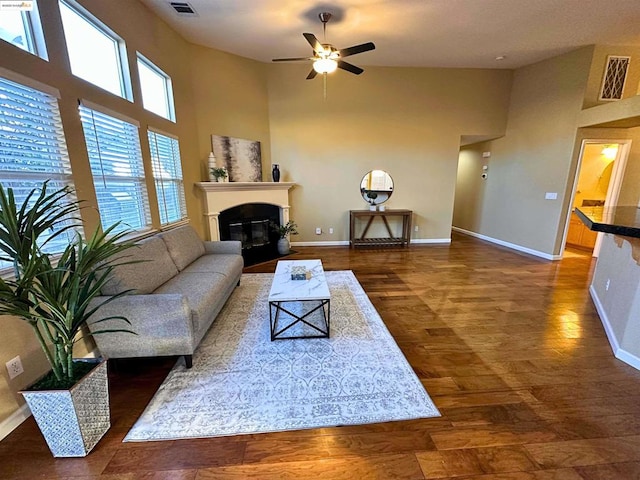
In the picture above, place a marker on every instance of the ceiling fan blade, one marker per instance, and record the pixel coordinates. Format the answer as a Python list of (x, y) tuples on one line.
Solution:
[(297, 59), (312, 74), (349, 68), (364, 47), (313, 41)]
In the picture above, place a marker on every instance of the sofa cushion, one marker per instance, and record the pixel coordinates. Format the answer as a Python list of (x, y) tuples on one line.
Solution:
[(205, 294), (226, 264), (154, 269), (184, 245)]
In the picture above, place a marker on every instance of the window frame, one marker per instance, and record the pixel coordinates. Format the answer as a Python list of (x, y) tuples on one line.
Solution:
[(51, 143), (168, 87), (140, 180), (124, 75), (34, 36), (179, 181)]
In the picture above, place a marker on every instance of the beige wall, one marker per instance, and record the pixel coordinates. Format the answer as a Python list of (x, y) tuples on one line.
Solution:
[(406, 121), (630, 189), (535, 155), (231, 95), (620, 303)]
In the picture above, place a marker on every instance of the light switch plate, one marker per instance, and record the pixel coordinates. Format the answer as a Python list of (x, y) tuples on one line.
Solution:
[(551, 196)]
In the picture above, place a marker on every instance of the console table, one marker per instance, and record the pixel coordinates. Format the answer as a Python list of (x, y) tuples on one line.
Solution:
[(370, 216)]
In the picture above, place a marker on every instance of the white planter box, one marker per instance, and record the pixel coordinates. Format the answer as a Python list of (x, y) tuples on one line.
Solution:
[(73, 421)]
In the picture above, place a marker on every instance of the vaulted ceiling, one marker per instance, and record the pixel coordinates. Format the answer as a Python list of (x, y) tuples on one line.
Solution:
[(420, 33)]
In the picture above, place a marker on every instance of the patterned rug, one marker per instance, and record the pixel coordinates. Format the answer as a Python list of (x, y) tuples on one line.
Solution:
[(242, 382)]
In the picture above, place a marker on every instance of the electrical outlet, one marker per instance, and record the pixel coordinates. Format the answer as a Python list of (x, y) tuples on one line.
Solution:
[(416, 229), (14, 367), (318, 231), (330, 230)]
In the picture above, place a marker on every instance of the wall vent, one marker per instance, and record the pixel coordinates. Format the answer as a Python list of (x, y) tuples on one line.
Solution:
[(183, 9), (615, 75)]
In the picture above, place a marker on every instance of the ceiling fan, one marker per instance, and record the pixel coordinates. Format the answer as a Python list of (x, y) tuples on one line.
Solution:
[(327, 58)]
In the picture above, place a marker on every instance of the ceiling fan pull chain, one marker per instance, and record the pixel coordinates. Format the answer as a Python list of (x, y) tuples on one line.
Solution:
[(324, 86)]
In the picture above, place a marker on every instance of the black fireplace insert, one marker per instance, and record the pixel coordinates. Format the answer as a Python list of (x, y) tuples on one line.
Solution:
[(250, 224)]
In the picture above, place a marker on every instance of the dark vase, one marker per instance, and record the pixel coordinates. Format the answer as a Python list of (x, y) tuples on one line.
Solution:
[(275, 172)]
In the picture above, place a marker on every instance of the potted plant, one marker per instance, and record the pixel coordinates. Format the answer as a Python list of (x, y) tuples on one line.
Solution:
[(372, 199), (283, 231), (71, 402), (219, 173)]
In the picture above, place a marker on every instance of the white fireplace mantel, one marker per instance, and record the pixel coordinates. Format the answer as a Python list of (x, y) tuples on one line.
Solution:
[(219, 196)]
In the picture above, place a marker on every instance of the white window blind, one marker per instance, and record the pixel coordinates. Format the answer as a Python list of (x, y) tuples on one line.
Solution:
[(167, 173), (118, 174), (32, 147)]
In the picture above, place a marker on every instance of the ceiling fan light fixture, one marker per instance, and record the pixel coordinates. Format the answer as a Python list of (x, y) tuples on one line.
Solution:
[(325, 65)]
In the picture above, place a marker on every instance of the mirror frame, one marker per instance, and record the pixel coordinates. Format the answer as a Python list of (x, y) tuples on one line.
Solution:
[(376, 196)]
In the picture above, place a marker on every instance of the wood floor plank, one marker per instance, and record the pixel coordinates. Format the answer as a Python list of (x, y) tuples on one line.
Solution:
[(470, 462), (509, 346), (553, 474), (613, 471), (378, 467), (183, 454), (574, 453)]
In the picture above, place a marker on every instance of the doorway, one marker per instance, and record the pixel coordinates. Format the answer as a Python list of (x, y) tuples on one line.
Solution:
[(597, 183)]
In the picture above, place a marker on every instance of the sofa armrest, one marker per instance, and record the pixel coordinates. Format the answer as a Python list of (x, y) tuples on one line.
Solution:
[(162, 323), (224, 246)]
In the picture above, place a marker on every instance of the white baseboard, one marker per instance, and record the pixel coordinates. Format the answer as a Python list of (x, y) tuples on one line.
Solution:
[(512, 246), (441, 241), (333, 243), (14, 421), (22, 413), (340, 243), (618, 352)]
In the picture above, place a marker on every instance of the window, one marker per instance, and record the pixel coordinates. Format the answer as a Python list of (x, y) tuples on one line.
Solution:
[(20, 26), (167, 173), (157, 94), (95, 53), (32, 146), (116, 165)]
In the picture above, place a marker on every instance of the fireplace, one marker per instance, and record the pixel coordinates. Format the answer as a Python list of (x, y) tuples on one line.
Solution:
[(251, 224), (243, 210)]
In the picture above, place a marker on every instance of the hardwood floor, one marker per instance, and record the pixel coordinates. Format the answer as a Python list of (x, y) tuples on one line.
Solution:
[(509, 347)]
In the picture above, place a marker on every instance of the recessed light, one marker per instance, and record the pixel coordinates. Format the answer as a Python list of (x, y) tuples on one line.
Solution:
[(501, 57)]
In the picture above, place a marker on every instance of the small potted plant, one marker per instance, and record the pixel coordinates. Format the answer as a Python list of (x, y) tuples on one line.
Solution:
[(54, 297), (219, 173), (372, 200), (289, 228)]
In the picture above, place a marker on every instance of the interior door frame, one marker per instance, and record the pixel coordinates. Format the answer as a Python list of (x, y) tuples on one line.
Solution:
[(615, 183)]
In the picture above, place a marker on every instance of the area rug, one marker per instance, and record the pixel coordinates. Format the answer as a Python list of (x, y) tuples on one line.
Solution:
[(242, 382)]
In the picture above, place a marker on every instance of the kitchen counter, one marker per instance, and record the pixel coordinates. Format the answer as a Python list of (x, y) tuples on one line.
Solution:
[(621, 220)]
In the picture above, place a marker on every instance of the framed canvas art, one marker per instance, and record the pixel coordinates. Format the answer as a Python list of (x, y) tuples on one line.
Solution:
[(242, 158)]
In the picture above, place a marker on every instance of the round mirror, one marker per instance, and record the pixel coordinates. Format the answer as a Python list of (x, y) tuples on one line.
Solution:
[(376, 187)]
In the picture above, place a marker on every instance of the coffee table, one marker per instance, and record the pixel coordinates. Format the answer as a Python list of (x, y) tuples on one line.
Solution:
[(299, 308)]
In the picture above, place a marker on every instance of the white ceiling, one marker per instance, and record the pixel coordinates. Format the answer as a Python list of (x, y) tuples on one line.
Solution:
[(421, 33)]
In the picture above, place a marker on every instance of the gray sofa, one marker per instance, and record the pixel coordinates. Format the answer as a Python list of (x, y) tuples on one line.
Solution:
[(181, 284)]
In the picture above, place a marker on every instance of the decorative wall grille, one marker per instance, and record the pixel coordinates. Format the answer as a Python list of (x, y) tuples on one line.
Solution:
[(615, 76)]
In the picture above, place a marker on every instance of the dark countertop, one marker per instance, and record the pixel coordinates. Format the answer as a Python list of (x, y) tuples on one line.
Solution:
[(621, 220)]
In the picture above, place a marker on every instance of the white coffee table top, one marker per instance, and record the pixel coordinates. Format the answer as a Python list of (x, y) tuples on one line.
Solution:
[(283, 289)]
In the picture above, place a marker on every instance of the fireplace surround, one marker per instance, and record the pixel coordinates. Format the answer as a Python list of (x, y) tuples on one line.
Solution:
[(243, 210)]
